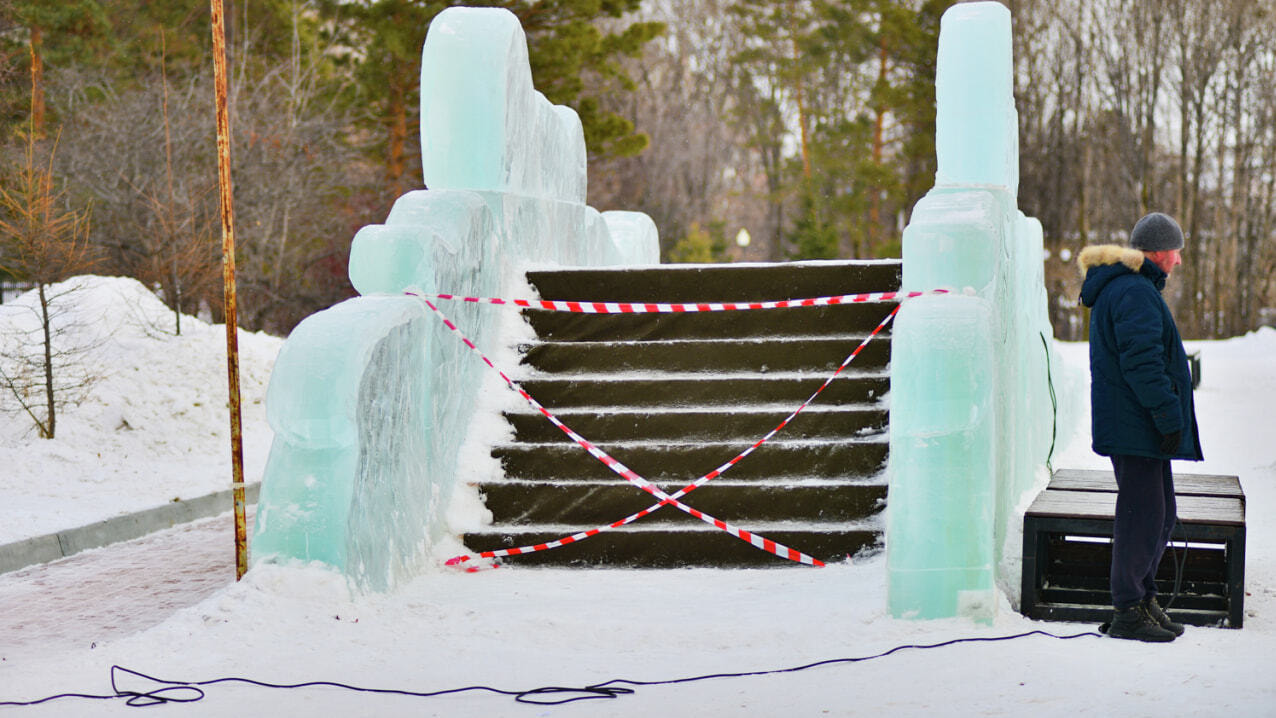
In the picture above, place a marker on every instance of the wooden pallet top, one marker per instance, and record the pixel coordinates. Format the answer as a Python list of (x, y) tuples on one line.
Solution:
[(1216, 510), (1184, 484)]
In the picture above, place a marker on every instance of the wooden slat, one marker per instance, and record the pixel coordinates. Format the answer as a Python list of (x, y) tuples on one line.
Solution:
[(1054, 503), (1184, 484)]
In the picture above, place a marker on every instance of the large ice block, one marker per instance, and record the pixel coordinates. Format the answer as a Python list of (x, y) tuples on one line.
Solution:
[(483, 125), (974, 98), (634, 236), (371, 400), (940, 510), (954, 239), (333, 400), (971, 418)]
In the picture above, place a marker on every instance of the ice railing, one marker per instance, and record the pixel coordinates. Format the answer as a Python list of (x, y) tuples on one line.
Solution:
[(971, 412), (370, 400)]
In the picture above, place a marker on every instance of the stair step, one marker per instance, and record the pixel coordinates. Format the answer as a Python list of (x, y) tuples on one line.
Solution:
[(662, 547), (718, 282), (725, 424), (685, 462), (770, 323), (594, 503), (674, 396), (809, 354), (852, 386)]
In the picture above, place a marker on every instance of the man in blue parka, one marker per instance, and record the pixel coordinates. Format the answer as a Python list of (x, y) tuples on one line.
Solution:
[(1142, 414)]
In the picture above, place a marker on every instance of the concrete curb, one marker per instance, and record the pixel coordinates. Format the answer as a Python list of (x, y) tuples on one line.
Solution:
[(50, 547)]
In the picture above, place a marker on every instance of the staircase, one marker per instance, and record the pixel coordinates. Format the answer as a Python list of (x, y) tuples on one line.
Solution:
[(674, 396)]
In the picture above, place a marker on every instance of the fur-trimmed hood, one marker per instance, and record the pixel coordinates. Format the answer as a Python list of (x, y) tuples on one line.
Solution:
[(1104, 263), (1100, 254)]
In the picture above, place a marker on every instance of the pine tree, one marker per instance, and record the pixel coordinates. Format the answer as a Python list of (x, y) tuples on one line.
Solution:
[(33, 34), (565, 44), (855, 79)]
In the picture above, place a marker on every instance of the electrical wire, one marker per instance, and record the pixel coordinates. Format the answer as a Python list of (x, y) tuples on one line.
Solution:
[(171, 691), (1179, 566), (1054, 405)]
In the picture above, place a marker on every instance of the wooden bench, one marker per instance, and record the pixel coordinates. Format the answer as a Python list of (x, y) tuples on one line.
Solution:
[(1067, 550)]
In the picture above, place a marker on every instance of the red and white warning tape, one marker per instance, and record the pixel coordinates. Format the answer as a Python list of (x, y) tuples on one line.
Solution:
[(620, 469), (625, 472), (559, 305)]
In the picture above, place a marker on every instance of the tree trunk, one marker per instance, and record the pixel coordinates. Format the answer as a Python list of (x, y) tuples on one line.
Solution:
[(397, 134), (37, 83), (876, 231), (50, 424)]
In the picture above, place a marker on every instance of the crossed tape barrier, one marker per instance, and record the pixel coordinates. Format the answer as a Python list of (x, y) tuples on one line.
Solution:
[(664, 499), (667, 308)]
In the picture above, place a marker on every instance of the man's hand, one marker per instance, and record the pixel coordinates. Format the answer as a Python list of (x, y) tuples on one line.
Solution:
[(1170, 442)]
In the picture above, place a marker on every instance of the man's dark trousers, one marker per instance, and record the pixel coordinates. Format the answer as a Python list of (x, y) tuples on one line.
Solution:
[(1145, 516)]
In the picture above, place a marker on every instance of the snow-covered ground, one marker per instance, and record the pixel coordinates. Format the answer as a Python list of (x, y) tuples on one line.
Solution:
[(153, 426), (523, 628)]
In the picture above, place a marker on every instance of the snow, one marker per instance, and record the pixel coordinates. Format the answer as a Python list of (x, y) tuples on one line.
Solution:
[(154, 425), (167, 604)]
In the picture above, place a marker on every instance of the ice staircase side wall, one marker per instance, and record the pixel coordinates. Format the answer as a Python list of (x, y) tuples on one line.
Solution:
[(971, 415), (370, 399)]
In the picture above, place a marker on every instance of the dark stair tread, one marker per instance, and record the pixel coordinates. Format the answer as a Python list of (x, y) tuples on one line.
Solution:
[(663, 547), (852, 386), (806, 354), (718, 282), (721, 424), (595, 503), (674, 462), (798, 321)]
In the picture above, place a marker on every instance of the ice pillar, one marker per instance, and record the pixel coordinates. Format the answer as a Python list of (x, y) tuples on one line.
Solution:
[(968, 368)]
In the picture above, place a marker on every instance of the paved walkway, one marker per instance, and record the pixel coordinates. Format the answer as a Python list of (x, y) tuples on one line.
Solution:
[(117, 590)]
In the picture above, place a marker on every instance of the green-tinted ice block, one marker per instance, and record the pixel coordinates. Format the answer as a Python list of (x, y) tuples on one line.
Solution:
[(942, 593), (976, 126), (942, 466), (954, 239), (351, 447), (970, 413)]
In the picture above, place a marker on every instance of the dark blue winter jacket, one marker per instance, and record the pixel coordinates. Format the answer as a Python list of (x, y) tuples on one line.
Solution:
[(1140, 383)]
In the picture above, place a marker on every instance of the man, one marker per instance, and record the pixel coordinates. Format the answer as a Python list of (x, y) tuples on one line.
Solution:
[(1142, 414)]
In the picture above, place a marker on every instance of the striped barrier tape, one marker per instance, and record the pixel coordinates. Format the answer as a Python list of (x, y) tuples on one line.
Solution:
[(623, 471), (690, 487), (559, 305)]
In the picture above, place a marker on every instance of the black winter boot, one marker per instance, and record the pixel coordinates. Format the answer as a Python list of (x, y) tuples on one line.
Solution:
[(1135, 623), (1154, 610)]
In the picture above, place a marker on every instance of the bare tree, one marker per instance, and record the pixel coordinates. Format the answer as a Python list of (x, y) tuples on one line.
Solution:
[(144, 154), (1128, 107), (699, 167), (44, 244)]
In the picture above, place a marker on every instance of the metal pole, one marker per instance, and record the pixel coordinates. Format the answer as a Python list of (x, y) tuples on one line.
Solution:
[(228, 280)]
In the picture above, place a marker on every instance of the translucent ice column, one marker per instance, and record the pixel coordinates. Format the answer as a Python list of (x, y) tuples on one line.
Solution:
[(970, 414), (370, 400)]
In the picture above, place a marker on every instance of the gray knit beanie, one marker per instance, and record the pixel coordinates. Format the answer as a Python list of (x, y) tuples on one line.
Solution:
[(1156, 232)]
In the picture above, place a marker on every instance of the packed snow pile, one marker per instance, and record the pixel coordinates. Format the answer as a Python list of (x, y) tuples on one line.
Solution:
[(152, 424)]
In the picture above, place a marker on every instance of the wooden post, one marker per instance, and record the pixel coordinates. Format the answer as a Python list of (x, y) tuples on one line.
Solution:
[(228, 280)]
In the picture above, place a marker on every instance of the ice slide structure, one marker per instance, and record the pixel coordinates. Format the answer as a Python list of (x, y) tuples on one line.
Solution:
[(371, 399)]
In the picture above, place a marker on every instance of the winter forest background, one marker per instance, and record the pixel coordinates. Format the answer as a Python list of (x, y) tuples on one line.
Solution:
[(807, 123)]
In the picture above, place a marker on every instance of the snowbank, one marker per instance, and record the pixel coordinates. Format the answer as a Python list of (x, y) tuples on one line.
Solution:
[(154, 425)]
